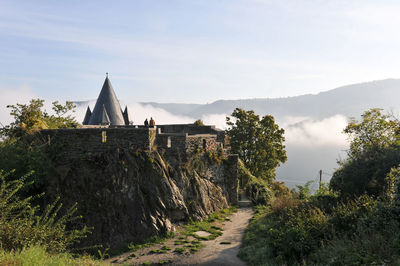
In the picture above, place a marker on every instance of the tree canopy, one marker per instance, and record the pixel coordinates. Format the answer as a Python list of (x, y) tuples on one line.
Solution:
[(29, 118), (374, 150), (22, 151), (258, 142)]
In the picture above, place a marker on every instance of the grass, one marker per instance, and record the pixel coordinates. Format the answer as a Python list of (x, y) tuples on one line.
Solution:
[(37, 255), (208, 226), (195, 247), (162, 250), (180, 250), (150, 242)]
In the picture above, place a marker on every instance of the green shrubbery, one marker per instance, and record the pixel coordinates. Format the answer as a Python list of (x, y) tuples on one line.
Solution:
[(257, 189), (21, 225), (323, 229)]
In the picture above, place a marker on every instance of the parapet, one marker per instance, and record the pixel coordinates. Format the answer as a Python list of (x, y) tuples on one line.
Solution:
[(182, 138)]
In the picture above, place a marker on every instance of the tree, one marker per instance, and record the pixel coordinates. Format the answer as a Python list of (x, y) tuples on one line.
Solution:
[(199, 122), (30, 118), (259, 143), (21, 150), (374, 150)]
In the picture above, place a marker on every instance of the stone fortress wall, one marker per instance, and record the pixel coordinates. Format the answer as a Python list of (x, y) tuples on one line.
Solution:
[(176, 138)]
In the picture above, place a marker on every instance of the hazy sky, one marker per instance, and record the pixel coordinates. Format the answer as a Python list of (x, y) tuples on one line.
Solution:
[(194, 50)]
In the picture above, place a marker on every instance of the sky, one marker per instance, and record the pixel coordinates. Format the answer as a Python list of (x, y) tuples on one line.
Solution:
[(194, 51)]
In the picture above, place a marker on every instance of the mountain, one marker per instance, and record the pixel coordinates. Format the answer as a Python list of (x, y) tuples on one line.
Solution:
[(349, 100)]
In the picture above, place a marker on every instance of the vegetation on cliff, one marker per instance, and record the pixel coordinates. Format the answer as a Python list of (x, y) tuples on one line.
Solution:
[(21, 150), (25, 230)]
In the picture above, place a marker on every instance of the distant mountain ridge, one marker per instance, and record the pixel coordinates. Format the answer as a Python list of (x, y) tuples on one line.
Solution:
[(350, 100)]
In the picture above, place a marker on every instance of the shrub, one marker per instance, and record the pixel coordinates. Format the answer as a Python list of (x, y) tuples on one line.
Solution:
[(21, 226), (259, 192), (279, 237), (257, 189)]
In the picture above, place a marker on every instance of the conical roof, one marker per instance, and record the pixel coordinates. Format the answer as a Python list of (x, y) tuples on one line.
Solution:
[(107, 100), (105, 120), (126, 116), (87, 116)]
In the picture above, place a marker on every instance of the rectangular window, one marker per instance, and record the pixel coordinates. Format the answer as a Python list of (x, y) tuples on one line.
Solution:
[(169, 142), (103, 136)]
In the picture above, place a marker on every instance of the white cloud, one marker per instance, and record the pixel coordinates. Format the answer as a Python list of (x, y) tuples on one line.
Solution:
[(309, 132), (219, 120)]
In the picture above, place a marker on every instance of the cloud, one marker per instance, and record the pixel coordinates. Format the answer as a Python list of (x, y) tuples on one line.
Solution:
[(309, 132), (219, 120), (22, 94)]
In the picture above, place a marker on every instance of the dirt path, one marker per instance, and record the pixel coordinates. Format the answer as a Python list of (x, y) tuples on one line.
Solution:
[(214, 253)]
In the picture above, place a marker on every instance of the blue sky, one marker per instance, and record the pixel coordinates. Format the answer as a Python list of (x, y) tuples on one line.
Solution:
[(194, 51)]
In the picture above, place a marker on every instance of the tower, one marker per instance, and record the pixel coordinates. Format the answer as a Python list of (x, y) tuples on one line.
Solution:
[(107, 110)]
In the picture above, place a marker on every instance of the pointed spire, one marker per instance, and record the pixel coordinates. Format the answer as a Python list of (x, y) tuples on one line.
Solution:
[(105, 120), (126, 117), (108, 99), (87, 116)]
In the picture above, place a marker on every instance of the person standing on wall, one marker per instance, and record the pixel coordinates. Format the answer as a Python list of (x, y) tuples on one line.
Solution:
[(152, 122)]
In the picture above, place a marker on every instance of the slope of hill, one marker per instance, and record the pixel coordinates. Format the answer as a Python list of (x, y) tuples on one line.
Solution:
[(349, 100)]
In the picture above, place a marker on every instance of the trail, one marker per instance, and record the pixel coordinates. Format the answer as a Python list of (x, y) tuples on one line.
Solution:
[(214, 253)]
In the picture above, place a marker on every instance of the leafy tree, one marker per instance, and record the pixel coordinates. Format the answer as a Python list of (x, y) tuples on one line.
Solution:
[(21, 149), (374, 150), (373, 135), (29, 118), (258, 142)]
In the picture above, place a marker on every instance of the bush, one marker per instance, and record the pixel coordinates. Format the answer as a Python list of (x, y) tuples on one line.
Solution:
[(283, 234), (257, 189), (21, 226), (297, 231)]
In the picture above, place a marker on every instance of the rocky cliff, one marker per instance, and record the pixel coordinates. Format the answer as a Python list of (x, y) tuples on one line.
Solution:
[(128, 195)]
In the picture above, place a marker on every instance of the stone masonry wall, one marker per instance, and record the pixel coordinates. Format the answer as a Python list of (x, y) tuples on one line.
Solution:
[(75, 142)]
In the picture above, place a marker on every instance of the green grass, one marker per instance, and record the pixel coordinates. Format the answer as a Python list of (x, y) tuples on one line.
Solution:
[(180, 250), (150, 242), (164, 249), (208, 226), (195, 247), (37, 255)]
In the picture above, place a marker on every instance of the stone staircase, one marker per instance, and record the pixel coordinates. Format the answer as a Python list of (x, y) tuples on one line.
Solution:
[(244, 201)]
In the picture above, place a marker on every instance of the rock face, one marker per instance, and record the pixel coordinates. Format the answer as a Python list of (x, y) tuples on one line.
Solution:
[(128, 195)]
